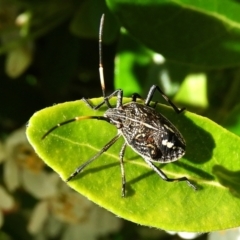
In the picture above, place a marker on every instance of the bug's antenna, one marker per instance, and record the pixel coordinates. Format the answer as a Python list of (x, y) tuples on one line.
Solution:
[(73, 120), (100, 62), (100, 56)]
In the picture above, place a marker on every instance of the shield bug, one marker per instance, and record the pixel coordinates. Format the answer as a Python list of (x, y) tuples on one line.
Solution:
[(147, 132)]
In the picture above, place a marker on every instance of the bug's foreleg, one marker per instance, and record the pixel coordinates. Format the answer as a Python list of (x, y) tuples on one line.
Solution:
[(118, 93), (104, 149)]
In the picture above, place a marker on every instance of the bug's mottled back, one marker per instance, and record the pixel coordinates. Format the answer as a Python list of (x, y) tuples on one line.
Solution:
[(147, 132)]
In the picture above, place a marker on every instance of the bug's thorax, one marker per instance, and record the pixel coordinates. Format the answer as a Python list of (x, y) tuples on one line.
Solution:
[(128, 115)]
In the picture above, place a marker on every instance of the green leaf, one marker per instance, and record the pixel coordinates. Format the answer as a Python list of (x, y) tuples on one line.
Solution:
[(227, 178), (232, 122), (150, 200), (195, 33), (193, 90)]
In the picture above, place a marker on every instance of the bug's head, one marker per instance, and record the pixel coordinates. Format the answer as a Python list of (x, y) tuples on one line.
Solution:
[(116, 116)]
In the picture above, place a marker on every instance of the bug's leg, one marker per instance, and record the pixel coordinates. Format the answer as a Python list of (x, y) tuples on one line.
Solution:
[(121, 155), (119, 97), (150, 96), (104, 149), (154, 105), (89, 104), (135, 96), (165, 178), (118, 93)]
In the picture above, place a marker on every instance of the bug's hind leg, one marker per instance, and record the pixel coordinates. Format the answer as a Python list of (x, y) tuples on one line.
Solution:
[(150, 96), (121, 155), (165, 178)]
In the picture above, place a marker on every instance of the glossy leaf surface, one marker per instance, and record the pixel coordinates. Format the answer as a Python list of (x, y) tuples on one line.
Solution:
[(194, 33), (212, 154)]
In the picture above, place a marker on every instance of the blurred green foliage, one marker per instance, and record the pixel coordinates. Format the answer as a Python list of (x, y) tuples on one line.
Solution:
[(49, 54)]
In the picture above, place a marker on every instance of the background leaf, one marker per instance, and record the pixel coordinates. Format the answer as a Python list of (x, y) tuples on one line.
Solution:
[(194, 33), (150, 200), (132, 65), (198, 42)]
